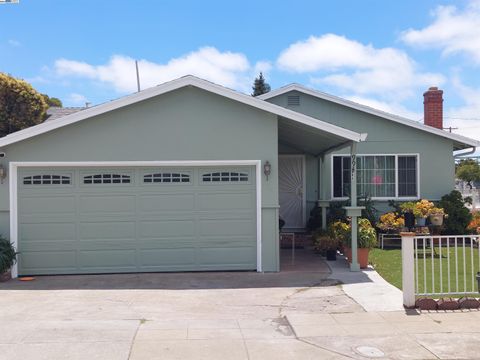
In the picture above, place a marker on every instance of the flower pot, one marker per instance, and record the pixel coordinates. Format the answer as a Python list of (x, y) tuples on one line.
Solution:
[(363, 257), (420, 221), (436, 219), (331, 255), (4, 277)]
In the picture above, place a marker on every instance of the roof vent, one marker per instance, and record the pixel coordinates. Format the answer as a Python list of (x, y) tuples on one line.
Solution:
[(293, 100)]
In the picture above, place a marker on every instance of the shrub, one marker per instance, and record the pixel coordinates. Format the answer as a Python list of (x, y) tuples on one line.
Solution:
[(474, 225), (459, 216), (391, 221), (8, 255), (367, 236)]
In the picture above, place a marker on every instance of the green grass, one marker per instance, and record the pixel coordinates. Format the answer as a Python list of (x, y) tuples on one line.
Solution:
[(388, 264)]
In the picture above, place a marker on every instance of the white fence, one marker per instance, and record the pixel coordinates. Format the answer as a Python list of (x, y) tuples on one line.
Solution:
[(439, 266)]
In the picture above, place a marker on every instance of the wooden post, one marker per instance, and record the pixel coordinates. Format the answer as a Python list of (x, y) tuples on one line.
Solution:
[(408, 269)]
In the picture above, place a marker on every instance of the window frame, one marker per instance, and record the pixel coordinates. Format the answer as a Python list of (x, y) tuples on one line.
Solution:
[(83, 175), (152, 173), (396, 197), (241, 173), (42, 184)]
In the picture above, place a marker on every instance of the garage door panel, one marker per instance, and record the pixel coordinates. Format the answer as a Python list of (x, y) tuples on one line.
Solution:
[(226, 201), (141, 226), (166, 202), (111, 258), (167, 257), (225, 227), (107, 230), (116, 204), (41, 205), (47, 231), (41, 262), (171, 228)]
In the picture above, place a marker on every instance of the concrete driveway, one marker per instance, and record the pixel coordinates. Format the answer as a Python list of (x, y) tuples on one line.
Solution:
[(290, 315)]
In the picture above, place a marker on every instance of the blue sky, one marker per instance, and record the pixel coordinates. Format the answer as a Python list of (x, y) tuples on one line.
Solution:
[(380, 53)]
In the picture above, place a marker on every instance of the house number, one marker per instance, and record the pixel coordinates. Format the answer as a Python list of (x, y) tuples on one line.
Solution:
[(354, 165)]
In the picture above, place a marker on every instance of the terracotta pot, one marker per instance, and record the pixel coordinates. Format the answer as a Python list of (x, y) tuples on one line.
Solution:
[(7, 275), (362, 256), (436, 220)]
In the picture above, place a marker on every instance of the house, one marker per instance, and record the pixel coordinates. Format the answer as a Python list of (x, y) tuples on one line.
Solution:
[(189, 176)]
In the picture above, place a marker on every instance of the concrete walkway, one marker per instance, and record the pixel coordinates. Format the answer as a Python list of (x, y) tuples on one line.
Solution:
[(290, 315), (366, 287)]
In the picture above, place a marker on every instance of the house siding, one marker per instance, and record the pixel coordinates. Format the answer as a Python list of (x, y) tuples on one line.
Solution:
[(185, 124), (384, 137)]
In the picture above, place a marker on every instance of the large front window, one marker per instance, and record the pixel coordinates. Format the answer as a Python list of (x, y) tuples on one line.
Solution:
[(378, 176)]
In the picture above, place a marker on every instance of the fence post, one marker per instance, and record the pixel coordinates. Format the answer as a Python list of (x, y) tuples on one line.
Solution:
[(408, 269)]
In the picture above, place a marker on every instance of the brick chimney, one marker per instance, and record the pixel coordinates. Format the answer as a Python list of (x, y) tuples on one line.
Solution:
[(433, 107)]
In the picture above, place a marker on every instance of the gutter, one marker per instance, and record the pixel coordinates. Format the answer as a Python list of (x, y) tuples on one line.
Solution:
[(466, 153)]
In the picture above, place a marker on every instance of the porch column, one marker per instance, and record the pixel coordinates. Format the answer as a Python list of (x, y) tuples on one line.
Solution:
[(324, 204), (353, 210)]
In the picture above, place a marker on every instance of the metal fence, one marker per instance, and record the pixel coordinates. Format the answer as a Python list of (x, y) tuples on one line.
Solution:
[(439, 266)]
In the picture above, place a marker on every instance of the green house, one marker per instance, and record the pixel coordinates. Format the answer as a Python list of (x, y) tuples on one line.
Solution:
[(191, 176)]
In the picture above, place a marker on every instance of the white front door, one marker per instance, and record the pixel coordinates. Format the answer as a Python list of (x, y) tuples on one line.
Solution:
[(291, 182)]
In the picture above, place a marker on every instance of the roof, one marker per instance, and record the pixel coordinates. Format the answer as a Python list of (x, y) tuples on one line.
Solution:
[(56, 112), (188, 80), (458, 139)]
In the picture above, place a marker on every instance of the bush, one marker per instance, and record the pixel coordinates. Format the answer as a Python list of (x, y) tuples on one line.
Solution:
[(459, 216), (367, 236), (8, 255)]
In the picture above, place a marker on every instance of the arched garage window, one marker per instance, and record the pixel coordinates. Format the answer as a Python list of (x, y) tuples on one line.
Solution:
[(167, 177), (225, 177), (46, 179), (107, 179)]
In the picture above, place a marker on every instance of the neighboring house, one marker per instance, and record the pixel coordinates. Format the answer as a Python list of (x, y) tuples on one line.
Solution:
[(176, 177)]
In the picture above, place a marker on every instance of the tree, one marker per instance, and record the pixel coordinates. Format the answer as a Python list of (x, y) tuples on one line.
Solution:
[(21, 106), (260, 86), (52, 101), (468, 170)]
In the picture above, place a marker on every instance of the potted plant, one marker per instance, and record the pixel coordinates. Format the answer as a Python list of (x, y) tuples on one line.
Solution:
[(326, 245), (339, 231), (8, 256), (367, 239), (436, 216), (391, 222), (422, 210)]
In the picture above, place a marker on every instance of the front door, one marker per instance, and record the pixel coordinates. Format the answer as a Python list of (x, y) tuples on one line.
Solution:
[(291, 179)]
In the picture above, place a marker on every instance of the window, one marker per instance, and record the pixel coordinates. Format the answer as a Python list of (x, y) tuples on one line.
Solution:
[(107, 179), (378, 176), (166, 178), (47, 180), (225, 177)]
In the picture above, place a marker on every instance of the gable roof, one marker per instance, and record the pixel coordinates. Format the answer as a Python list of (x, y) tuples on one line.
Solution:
[(56, 112), (458, 139), (188, 80)]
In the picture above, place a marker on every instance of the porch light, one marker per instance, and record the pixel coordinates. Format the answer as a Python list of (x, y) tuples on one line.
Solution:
[(267, 168)]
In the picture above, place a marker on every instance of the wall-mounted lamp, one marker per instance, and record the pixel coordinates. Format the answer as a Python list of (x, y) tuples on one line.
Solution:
[(3, 173), (267, 168)]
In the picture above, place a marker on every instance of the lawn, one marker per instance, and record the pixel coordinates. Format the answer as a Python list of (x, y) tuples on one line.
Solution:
[(388, 264)]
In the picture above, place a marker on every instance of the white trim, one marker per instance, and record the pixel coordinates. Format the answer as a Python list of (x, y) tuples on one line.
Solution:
[(385, 198), (171, 86), (304, 185), (13, 171), (367, 109)]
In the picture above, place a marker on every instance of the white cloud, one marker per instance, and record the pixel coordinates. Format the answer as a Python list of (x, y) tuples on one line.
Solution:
[(452, 30), (14, 43), (389, 107), (355, 67), (466, 117), (226, 68), (77, 99)]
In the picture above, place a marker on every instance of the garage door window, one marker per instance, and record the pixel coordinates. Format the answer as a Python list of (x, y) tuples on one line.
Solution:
[(167, 177), (225, 177), (107, 179), (47, 180)]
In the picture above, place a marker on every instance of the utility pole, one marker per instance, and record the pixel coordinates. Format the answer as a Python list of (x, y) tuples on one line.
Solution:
[(450, 128), (138, 76)]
